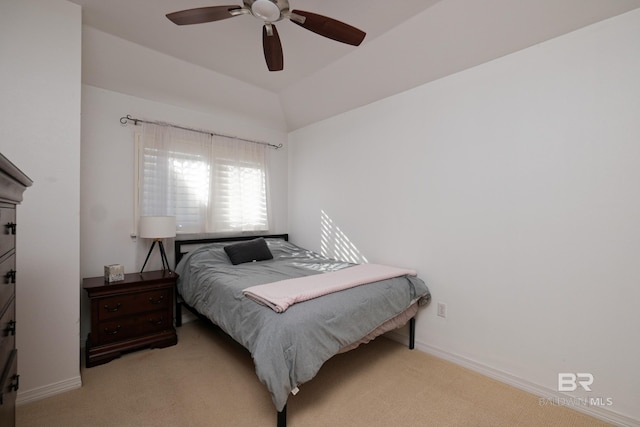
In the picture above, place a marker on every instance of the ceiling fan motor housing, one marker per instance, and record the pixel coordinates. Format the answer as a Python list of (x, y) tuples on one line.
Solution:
[(268, 10)]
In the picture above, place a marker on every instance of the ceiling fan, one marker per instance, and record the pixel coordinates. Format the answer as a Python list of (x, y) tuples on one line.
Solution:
[(271, 11)]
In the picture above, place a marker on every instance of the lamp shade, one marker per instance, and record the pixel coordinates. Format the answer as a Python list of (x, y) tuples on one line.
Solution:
[(157, 227)]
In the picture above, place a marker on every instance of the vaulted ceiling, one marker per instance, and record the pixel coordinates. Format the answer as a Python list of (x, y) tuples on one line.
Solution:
[(408, 43)]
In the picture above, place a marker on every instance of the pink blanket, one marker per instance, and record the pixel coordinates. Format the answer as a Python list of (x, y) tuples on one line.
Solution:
[(284, 293)]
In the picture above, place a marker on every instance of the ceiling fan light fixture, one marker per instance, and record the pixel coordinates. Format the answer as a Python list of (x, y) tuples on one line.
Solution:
[(266, 10)]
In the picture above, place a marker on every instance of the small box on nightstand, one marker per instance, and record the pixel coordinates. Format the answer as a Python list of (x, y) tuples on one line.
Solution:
[(113, 273)]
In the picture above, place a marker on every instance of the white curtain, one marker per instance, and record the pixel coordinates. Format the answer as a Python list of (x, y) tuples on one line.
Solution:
[(210, 183)]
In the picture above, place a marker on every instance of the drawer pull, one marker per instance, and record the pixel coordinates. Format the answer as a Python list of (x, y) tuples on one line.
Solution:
[(112, 332), (112, 309), (12, 227), (15, 383), (10, 277), (156, 301), (10, 329), (157, 322)]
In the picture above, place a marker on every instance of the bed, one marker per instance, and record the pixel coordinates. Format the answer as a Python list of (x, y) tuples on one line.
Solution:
[(289, 347)]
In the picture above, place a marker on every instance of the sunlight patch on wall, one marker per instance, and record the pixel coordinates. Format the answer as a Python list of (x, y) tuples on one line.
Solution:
[(335, 244)]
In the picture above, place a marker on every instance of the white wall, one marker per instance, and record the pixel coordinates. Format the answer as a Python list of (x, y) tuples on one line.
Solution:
[(40, 47), (512, 187), (107, 176)]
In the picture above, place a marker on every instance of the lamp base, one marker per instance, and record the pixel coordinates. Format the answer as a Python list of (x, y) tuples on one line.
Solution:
[(163, 256)]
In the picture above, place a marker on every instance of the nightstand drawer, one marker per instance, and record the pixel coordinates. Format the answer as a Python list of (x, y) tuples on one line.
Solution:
[(7, 280), (126, 304), (134, 326)]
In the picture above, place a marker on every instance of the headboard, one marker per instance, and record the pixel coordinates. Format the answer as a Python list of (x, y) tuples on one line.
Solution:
[(183, 247)]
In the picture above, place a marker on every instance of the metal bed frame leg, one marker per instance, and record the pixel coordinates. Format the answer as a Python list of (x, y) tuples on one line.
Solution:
[(178, 313), (412, 333), (282, 417)]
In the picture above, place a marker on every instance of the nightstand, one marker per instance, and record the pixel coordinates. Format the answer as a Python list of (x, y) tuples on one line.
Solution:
[(130, 314)]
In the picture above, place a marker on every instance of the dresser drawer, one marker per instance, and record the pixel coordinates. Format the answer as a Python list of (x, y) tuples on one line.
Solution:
[(7, 280), (127, 304), (9, 383), (7, 333), (134, 326), (7, 235)]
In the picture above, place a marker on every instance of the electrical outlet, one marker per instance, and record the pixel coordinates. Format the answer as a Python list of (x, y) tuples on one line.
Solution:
[(442, 309)]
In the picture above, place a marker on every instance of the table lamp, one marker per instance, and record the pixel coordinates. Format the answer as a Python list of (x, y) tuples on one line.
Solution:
[(157, 228)]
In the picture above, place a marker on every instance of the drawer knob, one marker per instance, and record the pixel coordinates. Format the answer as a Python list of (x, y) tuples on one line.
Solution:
[(10, 329), (15, 383), (11, 226), (157, 322), (112, 309), (112, 331), (10, 277), (156, 301)]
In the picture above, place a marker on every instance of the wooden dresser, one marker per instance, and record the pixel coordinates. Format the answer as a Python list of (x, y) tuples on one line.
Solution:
[(129, 314), (12, 185)]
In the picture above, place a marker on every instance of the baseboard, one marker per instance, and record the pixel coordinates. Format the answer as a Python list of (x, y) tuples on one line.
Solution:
[(549, 395), (50, 390)]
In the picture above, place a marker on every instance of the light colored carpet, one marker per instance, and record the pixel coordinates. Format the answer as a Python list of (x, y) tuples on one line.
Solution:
[(208, 380)]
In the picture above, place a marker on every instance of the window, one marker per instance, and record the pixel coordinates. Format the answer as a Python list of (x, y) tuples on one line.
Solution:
[(210, 183)]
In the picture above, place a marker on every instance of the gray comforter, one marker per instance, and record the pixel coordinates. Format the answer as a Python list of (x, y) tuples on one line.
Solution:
[(289, 348)]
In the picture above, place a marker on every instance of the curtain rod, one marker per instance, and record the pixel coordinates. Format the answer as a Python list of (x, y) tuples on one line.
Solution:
[(135, 121)]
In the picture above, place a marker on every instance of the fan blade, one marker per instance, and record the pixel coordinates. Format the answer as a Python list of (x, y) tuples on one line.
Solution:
[(330, 28), (272, 48), (202, 14)]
